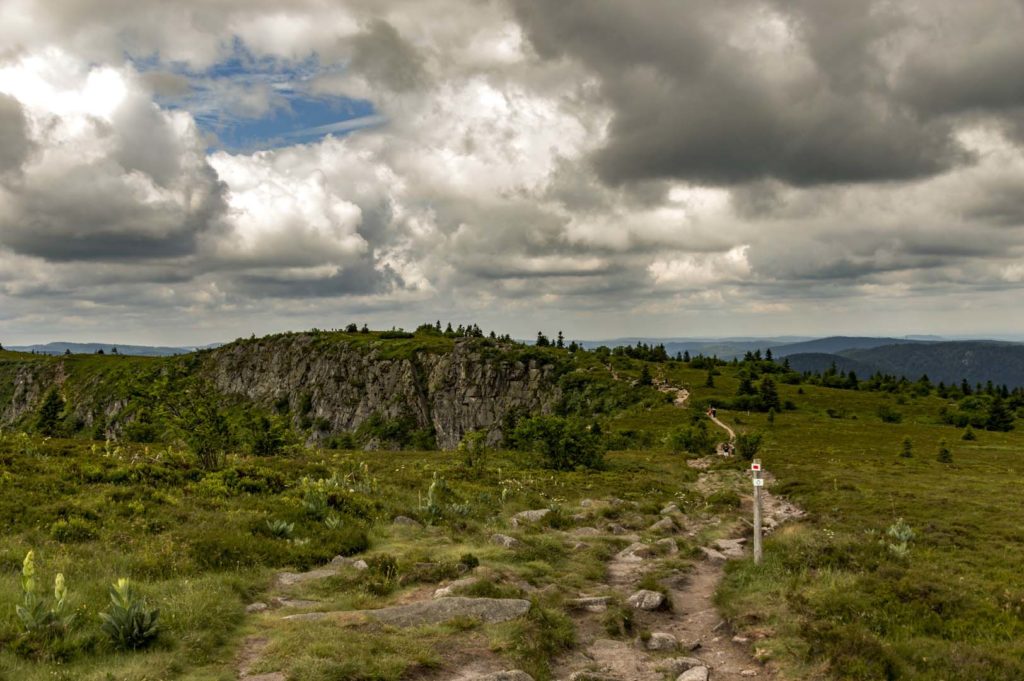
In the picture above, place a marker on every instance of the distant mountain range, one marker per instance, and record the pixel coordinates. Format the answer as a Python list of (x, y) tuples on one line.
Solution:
[(60, 347), (946, 361)]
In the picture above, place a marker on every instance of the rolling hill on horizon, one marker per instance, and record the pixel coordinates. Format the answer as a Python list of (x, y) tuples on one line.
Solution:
[(945, 361)]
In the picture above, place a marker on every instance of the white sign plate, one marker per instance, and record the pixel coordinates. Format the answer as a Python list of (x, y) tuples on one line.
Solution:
[(758, 482)]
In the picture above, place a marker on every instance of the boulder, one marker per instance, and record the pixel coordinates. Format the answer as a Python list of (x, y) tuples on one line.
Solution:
[(669, 545), (504, 540), (677, 665), (488, 610), (635, 552), (661, 641), (256, 607), (507, 675), (406, 521), (670, 509), (528, 517), (450, 589), (712, 555), (590, 603), (645, 599), (663, 525), (695, 674)]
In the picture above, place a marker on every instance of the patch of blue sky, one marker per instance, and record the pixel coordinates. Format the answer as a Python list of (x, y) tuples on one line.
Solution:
[(246, 103)]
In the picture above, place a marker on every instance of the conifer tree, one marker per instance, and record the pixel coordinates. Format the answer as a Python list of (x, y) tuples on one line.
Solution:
[(49, 413), (1000, 418)]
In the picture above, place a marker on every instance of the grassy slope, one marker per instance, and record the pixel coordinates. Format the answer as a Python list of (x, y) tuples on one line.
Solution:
[(833, 599), (831, 593)]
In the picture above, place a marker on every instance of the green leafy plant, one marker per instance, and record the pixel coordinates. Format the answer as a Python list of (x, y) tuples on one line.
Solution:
[(281, 529), (128, 621), (901, 535), (36, 615), (333, 521)]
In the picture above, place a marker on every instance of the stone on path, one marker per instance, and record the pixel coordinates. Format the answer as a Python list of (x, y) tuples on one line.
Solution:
[(663, 525), (290, 578), (713, 555), (645, 599), (406, 520), (678, 665), (748, 672), (732, 548), (671, 548), (526, 517), (584, 675), (636, 551), (488, 610), (507, 675), (661, 641), (590, 603), (695, 674), (504, 540)]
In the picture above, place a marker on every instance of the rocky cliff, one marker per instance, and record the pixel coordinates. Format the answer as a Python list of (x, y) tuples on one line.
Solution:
[(327, 384), (341, 385)]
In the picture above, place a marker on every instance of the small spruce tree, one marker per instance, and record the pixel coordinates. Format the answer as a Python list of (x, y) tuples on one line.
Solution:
[(710, 382), (944, 455), (969, 434), (907, 450)]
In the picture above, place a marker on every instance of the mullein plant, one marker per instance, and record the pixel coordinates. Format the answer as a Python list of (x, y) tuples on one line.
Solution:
[(36, 614), (128, 622)]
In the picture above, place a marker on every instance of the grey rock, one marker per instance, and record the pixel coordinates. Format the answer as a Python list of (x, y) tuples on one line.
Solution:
[(635, 552), (291, 578), (590, 603), (584, 675), (305, 617), (279, 602), (256, 607), (669, 544), (740, 639), (748, 672), (696, 674), (645, 599), (504, 540), (360, 565), (663, 525), (661, 641), (507, 675), (406, 521), (585, 531), (272, 676), (615, 528), (586, 503), (713, 555), (677, 665), (450, 589), (488, 610), (670, 509), (732, 548), (528, 517)]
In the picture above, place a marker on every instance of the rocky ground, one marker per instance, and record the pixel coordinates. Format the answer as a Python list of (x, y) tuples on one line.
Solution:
[(673, 630)]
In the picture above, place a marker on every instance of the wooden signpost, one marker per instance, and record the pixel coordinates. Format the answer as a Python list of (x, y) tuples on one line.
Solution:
[(755, 471)]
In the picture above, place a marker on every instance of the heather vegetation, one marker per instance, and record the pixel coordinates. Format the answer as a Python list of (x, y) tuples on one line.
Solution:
[(133, 548)]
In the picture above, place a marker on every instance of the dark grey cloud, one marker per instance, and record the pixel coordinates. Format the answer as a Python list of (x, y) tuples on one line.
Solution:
[(384, 57), (14, 142), (691, 103)]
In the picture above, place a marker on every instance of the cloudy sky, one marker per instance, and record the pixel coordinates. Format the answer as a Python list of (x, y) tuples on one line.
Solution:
[(186, 171)]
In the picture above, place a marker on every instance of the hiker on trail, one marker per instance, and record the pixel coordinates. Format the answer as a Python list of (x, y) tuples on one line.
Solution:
[(714, 412)]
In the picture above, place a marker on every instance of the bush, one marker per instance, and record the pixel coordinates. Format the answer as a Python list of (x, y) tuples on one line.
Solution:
[(128, 622), (564, 443), (889, 415), (72, 530), (748, 445)]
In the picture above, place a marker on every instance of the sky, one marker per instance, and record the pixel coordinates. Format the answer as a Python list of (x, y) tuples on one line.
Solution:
[(192, 171)]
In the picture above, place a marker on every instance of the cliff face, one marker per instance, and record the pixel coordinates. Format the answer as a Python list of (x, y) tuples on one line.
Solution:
[(343, 386), (336, 385)]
